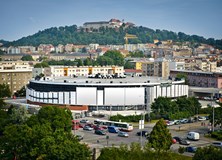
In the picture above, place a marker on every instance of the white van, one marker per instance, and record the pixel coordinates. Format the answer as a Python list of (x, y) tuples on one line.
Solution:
[(193, 136)]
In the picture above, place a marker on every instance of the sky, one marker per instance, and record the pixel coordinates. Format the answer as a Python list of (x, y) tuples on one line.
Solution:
[(21, 18)]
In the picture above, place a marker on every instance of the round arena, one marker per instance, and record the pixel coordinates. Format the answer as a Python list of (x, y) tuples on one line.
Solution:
[(91, 94)]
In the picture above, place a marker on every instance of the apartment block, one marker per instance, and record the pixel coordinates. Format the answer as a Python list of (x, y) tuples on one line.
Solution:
[(200, 78), (70, 71), (177, 65), (15, 74)]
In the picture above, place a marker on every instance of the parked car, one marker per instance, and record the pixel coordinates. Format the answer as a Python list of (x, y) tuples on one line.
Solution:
[(191, 149), (97, 127), (177, 122), (217, 144), (184, 142), (81, 125), (123, 134), (79, 137), (193, 136), (170, 123), (100, 132), (178, 139), (184, 120), (113, 129), (201, 118), (144, 133), (174, 141), (90, 125), (84, 121), (87, 128)]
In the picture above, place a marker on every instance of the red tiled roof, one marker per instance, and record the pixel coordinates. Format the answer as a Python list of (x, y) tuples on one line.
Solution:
[(133, 70)]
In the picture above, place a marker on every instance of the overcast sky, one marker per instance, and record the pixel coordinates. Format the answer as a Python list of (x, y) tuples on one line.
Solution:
[(20, 18)]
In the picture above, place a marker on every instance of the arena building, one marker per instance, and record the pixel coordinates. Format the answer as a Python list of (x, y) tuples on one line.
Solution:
[(91, 94)]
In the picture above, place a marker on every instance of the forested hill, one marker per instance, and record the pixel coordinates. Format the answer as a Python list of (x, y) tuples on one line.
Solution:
[(70, 34), (3, 41)]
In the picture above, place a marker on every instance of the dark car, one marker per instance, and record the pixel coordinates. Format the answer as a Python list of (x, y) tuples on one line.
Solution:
[(178, 139), (100, 132), (191, 149), (184, 142), (97, 127), (144, 133)]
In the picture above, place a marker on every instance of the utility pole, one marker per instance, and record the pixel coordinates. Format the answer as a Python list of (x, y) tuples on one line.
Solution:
[(213, 112)]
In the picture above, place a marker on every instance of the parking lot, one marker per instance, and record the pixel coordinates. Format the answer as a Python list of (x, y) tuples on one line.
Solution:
[(100, 141)]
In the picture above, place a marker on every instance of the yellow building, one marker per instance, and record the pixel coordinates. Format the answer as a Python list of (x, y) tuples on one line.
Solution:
[(60, 71)]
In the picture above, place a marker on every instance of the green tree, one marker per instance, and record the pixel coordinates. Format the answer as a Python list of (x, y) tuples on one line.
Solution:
[(116, 56), (128, 65), (181, 150), (2, 103), (41, 65), (217, 115), (87, 62), (182, 76), (46, 135), (4, 91), (208, 153), (162, 105), (160, 137), (136, 54), (27, 58), (21, 92), (19, 115), (79, 62), (57, 117), (104, 60)]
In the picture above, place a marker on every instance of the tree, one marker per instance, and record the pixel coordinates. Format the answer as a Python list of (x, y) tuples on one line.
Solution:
[(4, 91), (41, 65), (59, 118), (135, 152), (162, 105), (181, 150), (2, 103), (116, 56), (46, 135), (160, 137), (128, 65), (87, 62), (208, 153), (21, 92), (19, 115), (27, 58), (182, 76), (104, 60), (217, 115), (79, 62)]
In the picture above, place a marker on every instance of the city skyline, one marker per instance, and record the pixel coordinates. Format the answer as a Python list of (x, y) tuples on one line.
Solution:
[(26, 17)]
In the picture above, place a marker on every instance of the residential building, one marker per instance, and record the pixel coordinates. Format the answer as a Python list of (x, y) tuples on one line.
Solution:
[(60, 48), (200, 78), (161, 68), (148, 68), (15, 74), (174, 65), (158, 68), (70, 71), (38, 71)]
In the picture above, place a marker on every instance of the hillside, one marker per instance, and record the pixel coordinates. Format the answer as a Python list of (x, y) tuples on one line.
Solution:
[(70, 34)]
